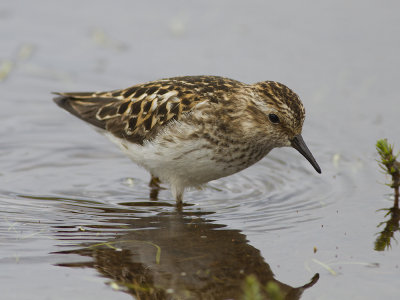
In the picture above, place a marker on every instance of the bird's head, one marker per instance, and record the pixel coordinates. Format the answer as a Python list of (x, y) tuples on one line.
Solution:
[(281, 113)]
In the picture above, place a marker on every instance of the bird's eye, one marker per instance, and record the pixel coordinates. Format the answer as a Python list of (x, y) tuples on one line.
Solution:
[(273, 118)]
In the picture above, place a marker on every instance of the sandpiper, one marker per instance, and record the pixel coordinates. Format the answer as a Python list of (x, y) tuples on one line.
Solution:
[(187, 131)]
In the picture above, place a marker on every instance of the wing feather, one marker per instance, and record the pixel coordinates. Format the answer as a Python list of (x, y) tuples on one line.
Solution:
[(139, 112)]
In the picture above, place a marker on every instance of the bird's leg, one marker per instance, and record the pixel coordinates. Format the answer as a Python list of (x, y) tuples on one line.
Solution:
[(154, 187), (179, 202), (177, 192), (154, 182)]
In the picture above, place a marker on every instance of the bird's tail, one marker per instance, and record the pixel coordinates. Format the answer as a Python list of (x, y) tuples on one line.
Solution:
[(86, 106)]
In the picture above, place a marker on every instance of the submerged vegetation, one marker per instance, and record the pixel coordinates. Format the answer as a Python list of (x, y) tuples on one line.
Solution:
[(253, 290), (390, 166)]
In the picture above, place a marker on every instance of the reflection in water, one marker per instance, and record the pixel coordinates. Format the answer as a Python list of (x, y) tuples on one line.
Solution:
[(179, 256), (384, 239)]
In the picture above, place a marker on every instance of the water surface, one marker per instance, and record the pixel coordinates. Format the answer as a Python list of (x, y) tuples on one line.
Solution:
[(76, 220)]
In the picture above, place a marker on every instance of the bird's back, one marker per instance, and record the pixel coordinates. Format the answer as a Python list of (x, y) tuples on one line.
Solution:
[(138, 113)]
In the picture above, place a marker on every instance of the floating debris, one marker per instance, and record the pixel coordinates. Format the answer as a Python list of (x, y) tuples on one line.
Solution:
[(129, 182), (8, 65), (25, 52), (100, 38), (325, 266), (5, 69), (177, 26), (114, 286), (335, 160)]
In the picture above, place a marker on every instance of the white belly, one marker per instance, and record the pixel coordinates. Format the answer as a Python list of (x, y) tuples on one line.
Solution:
[(187, 163)]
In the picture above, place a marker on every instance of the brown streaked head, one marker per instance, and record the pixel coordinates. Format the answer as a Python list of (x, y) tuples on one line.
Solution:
[(285, 116)]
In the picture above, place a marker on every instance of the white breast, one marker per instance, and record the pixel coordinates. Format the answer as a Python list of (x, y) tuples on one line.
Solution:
[(177, 161)]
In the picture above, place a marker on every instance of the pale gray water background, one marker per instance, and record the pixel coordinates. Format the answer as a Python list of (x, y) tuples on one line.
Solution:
[(63, 185)]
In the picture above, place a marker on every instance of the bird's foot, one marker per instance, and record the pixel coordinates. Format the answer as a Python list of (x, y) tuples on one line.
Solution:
[(155, 182)]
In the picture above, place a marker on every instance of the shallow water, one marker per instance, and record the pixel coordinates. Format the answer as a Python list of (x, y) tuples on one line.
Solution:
[(76, 220)]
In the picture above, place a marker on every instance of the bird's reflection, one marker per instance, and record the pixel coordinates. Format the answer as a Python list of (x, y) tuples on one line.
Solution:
[(180, 255)]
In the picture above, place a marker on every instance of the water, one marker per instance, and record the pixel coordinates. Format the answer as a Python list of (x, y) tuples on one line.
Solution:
[(76, 220)]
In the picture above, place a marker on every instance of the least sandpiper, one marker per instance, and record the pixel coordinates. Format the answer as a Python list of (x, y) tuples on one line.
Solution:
[(187, 131)]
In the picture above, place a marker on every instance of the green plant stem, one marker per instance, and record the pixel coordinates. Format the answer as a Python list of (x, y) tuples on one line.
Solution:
[(389, 164)]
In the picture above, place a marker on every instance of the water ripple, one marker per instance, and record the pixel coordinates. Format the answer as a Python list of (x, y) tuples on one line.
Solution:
[(278, 192)]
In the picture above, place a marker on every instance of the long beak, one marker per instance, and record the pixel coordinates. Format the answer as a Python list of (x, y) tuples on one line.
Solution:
[(299, 144)]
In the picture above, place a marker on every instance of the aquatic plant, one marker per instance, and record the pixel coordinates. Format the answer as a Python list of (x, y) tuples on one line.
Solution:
[(390, 166), (253, 290)]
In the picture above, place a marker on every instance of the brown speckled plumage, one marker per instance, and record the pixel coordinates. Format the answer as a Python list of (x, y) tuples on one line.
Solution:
[(228, 122)]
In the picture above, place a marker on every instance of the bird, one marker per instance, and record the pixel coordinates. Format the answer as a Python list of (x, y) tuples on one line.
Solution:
[(189, 130)]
